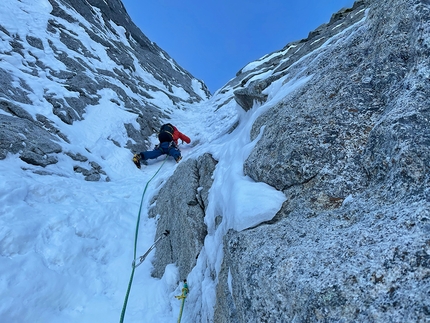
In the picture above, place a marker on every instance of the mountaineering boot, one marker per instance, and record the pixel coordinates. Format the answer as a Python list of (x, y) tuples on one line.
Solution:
[(178, 159), (136, 160)]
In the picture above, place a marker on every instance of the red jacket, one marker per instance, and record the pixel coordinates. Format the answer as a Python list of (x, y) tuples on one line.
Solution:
[(179, 135)]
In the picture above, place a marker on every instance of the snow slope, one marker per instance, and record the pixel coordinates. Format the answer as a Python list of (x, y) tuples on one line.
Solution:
[(66, 245)]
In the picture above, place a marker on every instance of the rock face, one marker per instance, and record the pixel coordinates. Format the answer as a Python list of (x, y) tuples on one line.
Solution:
[(84, 50), (37, 146), (180, 208), (351, 151), (251, 91)]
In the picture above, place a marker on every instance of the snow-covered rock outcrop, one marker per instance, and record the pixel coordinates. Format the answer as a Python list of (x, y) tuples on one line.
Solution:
[(303, 197), (350, 149), (348, 145), (66, 62)]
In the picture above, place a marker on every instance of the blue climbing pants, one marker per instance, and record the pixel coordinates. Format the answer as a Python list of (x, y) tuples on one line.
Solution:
[(165, 148)]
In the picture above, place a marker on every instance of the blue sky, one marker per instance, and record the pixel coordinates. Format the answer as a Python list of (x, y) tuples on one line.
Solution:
[(213, 40)]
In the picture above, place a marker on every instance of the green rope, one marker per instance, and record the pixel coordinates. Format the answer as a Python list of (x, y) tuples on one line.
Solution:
[(135, 243), (182, 298)]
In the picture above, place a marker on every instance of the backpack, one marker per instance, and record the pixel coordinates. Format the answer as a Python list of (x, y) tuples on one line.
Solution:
[(166, 133)]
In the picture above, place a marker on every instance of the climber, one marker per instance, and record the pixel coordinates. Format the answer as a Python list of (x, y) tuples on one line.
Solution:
[(168, 137)]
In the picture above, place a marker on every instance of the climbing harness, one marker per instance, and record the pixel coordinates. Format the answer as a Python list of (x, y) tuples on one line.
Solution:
[(135, 245), (182, 297)]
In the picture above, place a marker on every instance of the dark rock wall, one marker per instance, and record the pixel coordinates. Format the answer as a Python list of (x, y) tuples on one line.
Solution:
[(180, 207)]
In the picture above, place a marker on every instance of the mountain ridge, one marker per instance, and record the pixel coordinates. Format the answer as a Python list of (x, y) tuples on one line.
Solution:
[(302, 198)]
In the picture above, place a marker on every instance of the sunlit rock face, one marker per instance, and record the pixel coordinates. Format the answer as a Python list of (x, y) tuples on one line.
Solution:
[(347, 142), (350, 148), (65, 58)]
